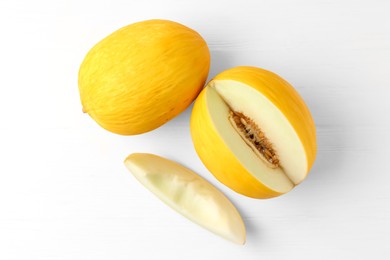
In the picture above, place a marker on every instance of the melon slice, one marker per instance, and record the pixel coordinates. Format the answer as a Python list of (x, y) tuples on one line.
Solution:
[(189, 194)]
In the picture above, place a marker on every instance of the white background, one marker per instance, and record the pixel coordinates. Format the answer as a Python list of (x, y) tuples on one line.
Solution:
[(65, 193)]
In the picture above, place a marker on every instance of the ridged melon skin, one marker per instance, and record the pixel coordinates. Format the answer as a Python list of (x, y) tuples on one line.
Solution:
[(216, 155), (143, 75)]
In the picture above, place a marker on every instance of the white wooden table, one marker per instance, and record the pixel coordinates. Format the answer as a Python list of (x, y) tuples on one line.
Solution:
[(65, 193)]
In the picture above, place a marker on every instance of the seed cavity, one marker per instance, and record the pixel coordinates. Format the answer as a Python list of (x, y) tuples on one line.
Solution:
[(254, 138)]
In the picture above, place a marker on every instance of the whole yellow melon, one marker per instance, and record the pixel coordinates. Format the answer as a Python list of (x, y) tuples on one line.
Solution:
[(143, 75)]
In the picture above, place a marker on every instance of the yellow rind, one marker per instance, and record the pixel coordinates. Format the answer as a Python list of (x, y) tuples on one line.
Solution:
[(143, 75), (215, 154), (218, 158), (284, 97)]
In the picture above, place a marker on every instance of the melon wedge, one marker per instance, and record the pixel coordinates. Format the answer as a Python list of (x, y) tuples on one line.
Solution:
[(189, 194), (254, 132)]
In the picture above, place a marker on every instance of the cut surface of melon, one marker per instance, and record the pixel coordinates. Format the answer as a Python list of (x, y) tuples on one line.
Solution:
[(224, 96), (189, 194), (254, 132)]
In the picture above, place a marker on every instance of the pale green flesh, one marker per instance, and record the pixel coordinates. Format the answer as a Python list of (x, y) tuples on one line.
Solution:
[(224, 95), (188, 194)]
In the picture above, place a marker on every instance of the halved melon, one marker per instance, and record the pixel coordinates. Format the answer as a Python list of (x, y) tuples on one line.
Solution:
[(189, 194), (254, 132)]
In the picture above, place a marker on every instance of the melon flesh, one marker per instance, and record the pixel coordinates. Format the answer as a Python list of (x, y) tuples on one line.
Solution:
[(189, 194), (223, 96)]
